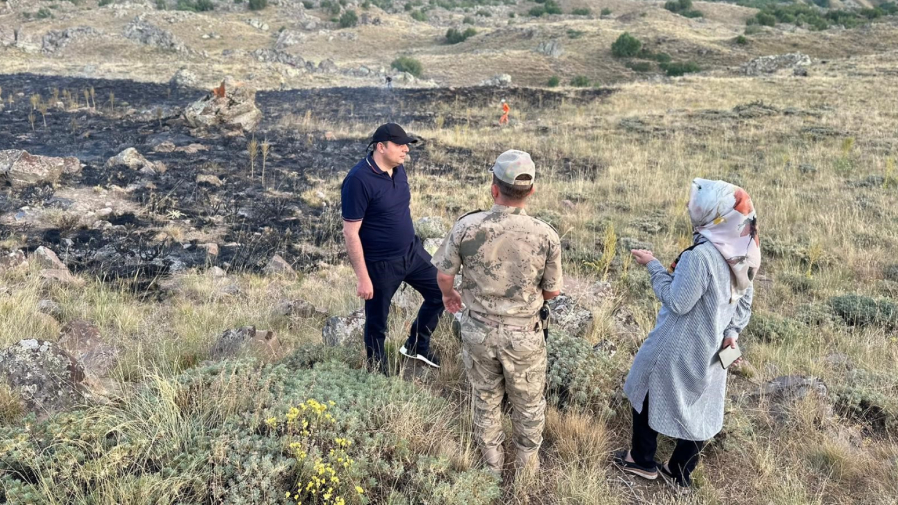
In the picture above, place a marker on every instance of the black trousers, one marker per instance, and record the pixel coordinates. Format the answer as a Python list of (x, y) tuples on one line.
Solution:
[(645, 442), (416, 270)]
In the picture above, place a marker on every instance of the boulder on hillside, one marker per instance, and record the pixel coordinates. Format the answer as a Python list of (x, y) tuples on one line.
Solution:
[(13, 260), (46, 258), (183, 78), (551, 48), (45, 376), (497, 80), (235, 342), (21, 169), (141, 31), (130, 158), (774, 63), (83, 341), (346, 330), (278, 266), (231, 105), (57, 39)]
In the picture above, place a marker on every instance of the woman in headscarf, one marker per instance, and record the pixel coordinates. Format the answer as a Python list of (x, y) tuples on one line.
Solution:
[(677, 384)]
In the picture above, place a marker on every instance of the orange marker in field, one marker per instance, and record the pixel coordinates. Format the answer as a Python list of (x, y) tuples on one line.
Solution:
[(505, 110)]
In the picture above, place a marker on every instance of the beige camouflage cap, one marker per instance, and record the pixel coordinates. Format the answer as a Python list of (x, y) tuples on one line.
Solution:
[(513, 163)]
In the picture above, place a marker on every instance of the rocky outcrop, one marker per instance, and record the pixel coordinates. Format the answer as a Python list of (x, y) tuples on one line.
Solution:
[(278, 266), (57, 39), (276, 56), (246, 340), (143, 32), (344, 330), (232, 105), (431, 227), (183, 78), (772, 64), (570, 317), (46, 258), (83, 342), (46, 378), (21, 169), (551, 48), (497, 80), (130, 158)]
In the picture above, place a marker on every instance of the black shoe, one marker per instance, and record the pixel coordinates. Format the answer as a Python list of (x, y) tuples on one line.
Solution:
[(620, 459), (429, 357), (673, 479)]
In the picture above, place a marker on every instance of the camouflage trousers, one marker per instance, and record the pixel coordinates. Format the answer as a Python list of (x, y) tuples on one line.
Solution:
[(500, 361)]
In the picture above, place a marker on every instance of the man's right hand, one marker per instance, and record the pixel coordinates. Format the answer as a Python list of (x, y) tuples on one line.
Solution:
[(365, 289), (452, 301)]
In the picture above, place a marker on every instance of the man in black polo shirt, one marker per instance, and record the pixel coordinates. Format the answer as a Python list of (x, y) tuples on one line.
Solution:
[(383, 248)]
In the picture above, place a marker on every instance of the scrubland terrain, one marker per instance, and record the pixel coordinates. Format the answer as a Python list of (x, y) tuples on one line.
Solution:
[(176, 416)]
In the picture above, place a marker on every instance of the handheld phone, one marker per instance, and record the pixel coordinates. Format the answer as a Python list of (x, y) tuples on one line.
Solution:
[(728, 355)]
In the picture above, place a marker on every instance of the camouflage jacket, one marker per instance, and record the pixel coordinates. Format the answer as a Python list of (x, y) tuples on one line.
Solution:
[(509, 259)]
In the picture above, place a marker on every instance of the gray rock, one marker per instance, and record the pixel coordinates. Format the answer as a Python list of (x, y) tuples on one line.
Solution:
[(57, 39), (774, 63), (141, 31), (258, 24), (130, 158), (288, 38), (7, 36), (46, 258), (45, 376), (345, 330), (236, 109), (20, 169), (791, 388), (277, 56), (183, 78), (497, 80), (299, 308), (627, 243), (59, 277), (246, 340), (83, 341), (12, 260), (551, 48), (328, 66), (50, 308), (278, 266), (570, 317)]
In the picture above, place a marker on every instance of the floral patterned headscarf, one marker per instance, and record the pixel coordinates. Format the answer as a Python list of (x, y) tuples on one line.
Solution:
[(724, 215)]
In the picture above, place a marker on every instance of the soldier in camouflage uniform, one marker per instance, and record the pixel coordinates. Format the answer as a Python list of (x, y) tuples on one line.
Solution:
[(512, 263)]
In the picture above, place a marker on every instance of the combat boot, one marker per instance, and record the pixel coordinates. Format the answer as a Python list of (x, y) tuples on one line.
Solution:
[(494, 458), (526, 464)]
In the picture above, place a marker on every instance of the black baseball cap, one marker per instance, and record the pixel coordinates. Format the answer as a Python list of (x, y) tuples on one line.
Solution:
[(392, 132)]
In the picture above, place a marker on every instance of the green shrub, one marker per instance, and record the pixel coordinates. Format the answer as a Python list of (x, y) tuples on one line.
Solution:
[(161, 5), (195, 5), (103, 3), (860, 397), (692, 14), (308, 4), (890, 272), (639, 66), (554, 81), (625, 46), (606, 12), (676, 69), (741, 40), (771, 328), (419, 15), (484, 13), (468, 20), (537, 11), (574, 34), (237, 432), (552, 7), (408, 64), (577, 376), (817, 314), (43, 13), (863, 311), (454, 36), (765, 19), (349, 19), (580, 81), (582, 11), (257, 5)]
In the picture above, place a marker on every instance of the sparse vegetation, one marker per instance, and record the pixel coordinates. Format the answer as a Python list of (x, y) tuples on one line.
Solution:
[(676, 69), (606, 12), (580, 81), (195, 5), (554, 81), (408, 64), (625, 46), (683, 8), (419, 15), (581, 11), (349, 19), (454, 36), (257, 5)]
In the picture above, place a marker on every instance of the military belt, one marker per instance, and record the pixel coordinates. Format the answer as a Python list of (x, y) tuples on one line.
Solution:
[(495, 324)]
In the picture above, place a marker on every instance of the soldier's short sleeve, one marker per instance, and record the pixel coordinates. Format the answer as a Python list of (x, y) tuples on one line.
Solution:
[(552, 280), (447, 258)]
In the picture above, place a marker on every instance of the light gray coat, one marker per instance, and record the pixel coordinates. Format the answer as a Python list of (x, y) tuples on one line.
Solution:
[(677, 365)]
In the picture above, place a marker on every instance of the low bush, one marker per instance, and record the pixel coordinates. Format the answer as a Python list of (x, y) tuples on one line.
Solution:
[(639, 66), (419, 15), (582, 11), (773, 329), (408, 64), (580, 81), (455, 36), (863, 311), (676, 69), (236, 432), (257, 5), (349, 19), (554, 81), (606, 12), (626, 46), (577, 376)]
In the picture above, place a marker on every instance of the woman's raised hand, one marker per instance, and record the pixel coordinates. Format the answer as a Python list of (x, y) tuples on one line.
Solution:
[(642, 256)]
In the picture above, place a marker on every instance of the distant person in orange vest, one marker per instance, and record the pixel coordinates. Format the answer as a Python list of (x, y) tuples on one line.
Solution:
[(505, 110)]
